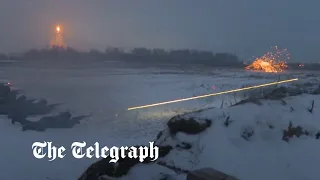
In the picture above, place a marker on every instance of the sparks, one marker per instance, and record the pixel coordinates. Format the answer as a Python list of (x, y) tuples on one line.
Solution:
[(214, 94), (271, 62)]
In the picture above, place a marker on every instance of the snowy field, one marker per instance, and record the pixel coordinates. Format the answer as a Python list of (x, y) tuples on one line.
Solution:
[(106, 93), (264, 155)]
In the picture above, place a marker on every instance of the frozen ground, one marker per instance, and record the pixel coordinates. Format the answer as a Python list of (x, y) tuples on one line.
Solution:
[(262, 156), (107, 93)]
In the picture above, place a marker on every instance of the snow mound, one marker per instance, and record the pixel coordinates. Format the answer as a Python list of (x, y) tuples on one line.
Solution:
[(276, 138)]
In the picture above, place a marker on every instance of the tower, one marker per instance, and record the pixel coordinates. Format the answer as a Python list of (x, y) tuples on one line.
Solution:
[(57, 40)]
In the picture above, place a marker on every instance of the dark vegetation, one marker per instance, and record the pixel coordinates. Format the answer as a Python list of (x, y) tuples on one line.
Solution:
[(145, 55), (307, 66), (297, 131)]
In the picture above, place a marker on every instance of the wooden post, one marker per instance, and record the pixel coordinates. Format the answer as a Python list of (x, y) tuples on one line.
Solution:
[(208, 174)]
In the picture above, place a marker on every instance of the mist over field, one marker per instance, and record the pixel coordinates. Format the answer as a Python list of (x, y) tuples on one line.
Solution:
[(105, 90), (80, 71)]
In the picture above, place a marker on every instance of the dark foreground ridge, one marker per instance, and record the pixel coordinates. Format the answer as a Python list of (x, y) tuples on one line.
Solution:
[(102, 169), (18, 108)]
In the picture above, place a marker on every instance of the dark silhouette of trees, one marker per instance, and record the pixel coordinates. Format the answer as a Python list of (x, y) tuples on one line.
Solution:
[(145, 56), (3, 57), (306, 66), (141, 54)]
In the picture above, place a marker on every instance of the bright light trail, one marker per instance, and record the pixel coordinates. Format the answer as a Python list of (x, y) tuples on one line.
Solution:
[(214, 94)]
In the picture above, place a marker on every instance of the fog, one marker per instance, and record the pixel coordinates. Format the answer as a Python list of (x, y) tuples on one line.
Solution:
[(247, 28)]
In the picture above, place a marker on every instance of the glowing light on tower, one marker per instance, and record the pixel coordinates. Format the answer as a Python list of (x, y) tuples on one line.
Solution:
[(57, 41), (58, 29)]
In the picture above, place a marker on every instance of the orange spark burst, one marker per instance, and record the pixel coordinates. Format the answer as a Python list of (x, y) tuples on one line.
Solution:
[(271, 62)]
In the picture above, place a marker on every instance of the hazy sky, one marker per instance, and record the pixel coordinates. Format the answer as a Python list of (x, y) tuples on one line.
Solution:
[(246, 27)]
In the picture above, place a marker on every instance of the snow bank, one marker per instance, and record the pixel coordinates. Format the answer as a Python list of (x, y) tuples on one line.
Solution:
[(275, 139)]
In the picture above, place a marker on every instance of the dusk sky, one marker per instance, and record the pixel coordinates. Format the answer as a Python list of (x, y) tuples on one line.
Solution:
[(245, 27)]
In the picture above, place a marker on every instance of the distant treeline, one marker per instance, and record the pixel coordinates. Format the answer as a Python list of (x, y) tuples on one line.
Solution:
[(135, 55), (305, 66), (144, 55)]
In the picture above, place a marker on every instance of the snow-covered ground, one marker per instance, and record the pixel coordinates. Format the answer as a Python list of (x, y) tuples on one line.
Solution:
[(108, 92), (263, 156)]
